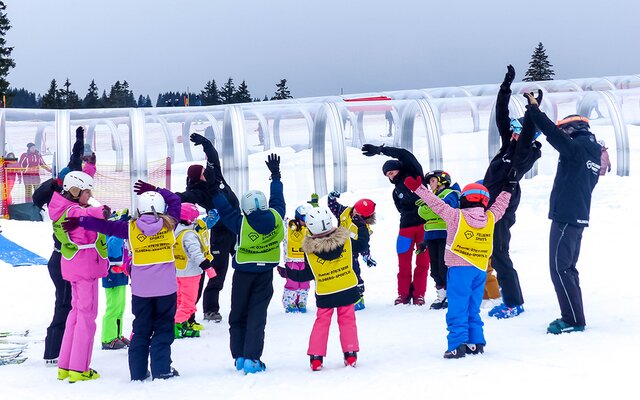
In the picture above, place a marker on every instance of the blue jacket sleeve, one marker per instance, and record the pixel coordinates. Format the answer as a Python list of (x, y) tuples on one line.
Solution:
[(230, 216), (276, 198)]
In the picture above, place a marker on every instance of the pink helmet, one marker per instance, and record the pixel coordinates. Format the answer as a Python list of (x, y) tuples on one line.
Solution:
[(189, 212)]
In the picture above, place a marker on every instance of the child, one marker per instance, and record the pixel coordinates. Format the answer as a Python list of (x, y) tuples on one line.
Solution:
[(192, 259), (435, 235), (115, 289), (329, 261), (605, 163), (469, 246), (367, 209), (153, 277), (294, 297), (84, 260)]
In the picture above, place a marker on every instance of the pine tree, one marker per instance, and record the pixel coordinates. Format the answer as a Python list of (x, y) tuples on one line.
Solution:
[(104, 100), (539, 66), (266, 98), (210, 95), (91, 99), (147, 102), (21, 98), (6, 62), (69, 98), (242, 95), (51, 99), (282, 91), (228, 91)]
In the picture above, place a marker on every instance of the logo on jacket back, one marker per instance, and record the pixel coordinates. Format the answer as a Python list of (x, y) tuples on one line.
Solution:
[(594, 167)]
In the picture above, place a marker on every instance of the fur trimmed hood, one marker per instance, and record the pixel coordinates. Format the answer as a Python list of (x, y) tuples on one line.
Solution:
[(325, 244)]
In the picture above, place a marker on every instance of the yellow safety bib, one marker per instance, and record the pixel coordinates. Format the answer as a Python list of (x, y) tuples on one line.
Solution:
[(154, 249), (294, 242), (333, 276), (181, 255), (474, 244)]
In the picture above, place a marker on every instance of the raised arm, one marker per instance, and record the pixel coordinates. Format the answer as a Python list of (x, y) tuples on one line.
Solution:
[(502, 107)]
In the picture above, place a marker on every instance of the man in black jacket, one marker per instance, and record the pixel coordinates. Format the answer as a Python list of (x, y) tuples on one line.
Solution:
[(519, 151), (223, 241), (570, 204), (411, 231)]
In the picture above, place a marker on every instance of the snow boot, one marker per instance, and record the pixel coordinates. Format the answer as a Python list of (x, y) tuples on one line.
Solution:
[(75, 376), (115, 344), (212, 316), (239, 363), (316, 363), (253, 366), (509, 312), (419, 301), (302, 307), (440, 302), (63, 374), (475, 348), (350, 359), (171, 374), (559, 326), (458, 352), (402, 300)]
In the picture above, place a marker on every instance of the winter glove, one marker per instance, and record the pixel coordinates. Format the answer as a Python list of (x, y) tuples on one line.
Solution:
[(421, 247), (141, 187), (314, 200), (273, 163), (80, 133), (207, 146), (420, 203), (413, 183), (212, 218), (508, 78), (124, 215), (369, 261), (282, 271), (205, 265), (91, 159), (333, 195), (511, 181), (358, 221), (371, 150), (211, 273), (70, 224), (533, 101), (106, 212)]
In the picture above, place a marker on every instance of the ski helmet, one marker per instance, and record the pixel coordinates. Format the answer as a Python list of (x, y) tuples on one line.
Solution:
[(443, 177), (301, 212), (77, 179), (149, 202), (253, 200), (189, 212), (476, 193), (574, 122), (365, 207), (319, 221)]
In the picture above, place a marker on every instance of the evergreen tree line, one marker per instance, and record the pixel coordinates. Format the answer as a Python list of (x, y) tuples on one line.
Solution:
[(121, 96)]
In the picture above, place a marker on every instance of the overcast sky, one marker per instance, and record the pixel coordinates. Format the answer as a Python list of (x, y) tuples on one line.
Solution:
[(319, 46)]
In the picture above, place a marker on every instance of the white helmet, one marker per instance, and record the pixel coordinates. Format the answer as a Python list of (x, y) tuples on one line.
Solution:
[(319, 220), (77, 179), (252, 201), (149, 202)]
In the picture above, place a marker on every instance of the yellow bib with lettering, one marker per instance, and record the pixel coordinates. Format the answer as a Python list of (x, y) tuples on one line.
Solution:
[(205, 238), (333, 276), (347, 222), (149, 250), (474, 244), (294, 242)]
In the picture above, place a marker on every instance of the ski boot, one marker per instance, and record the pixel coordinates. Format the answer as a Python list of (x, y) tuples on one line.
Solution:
[(316, 363), (350, 358), (75, 376)]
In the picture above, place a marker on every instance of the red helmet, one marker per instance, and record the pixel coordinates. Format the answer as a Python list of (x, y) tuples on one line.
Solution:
[(189, 212), (365, 207), (476, 193)]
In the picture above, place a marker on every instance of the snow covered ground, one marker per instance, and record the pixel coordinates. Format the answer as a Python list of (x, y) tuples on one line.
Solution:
[(401, 346)]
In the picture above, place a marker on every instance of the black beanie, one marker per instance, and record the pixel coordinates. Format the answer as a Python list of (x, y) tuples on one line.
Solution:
[(391, 165), (194, 173)]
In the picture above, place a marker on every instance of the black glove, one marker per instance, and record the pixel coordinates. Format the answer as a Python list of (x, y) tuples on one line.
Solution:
[(282, 271), (273, 163), (539, 98), (511, 181), (80, 133), (508, 78), (70, 224), (205, 265), (333, 195), (421, 247), (141, 187), (371, 150), (106, 212), (207, 146), (358, 221)]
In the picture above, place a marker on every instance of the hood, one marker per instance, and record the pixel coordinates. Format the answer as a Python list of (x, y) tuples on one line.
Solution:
[(149, 225), (476, 217), (263, 221), (182, 227), (325, 244), (58, 205)]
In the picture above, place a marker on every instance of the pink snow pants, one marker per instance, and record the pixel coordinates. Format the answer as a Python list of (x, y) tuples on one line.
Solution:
[(346, 324), (77, 342), (187, 297)]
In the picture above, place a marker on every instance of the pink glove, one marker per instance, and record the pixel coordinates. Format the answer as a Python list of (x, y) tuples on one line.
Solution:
[(413, 183), (211, 273)]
